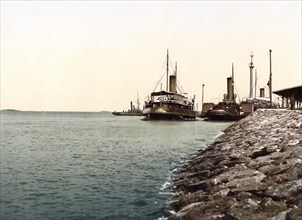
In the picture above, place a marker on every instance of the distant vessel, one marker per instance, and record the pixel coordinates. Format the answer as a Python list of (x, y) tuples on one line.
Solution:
[(133, 111), (169, 104), (228, 109)]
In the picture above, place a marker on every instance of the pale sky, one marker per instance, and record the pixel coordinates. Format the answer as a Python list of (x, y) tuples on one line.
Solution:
[(93, 56)]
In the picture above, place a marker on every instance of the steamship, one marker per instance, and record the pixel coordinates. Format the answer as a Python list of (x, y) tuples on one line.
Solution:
[(133, 111), (169, 104), (228, 109)]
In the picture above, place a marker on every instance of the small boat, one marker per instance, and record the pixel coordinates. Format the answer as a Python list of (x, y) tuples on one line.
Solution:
[(133, 111), (169, 104), (127, 113), (228, 109)]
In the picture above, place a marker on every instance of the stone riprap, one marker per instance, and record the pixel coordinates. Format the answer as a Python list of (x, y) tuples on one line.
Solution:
[(252, 171)]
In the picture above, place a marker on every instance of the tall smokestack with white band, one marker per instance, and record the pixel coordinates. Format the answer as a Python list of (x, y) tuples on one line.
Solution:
[(251, 75)]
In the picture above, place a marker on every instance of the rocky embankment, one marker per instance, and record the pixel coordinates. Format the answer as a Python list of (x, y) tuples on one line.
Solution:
[(253, 171)]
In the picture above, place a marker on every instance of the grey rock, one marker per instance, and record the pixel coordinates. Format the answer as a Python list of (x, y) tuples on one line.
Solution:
[(252, 171)]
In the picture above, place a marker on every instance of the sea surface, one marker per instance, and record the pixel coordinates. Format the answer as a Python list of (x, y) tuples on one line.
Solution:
[(71, 165)]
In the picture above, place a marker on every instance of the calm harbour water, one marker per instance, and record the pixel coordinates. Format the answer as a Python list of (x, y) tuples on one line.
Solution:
[(92, 165)]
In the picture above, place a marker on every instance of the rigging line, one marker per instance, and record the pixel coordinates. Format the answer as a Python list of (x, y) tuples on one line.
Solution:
[(178, 83), (179, 89), (159, 81), (179, 86), (237, 91), (165, 71), (163, 67)]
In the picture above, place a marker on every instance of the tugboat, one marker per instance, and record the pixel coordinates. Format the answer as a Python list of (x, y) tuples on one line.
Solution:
[(133, 111), (228, 109), (225, 111), (169, 104)]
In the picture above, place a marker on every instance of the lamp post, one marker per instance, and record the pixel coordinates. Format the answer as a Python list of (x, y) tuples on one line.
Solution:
[(270, 78), (251, 75), (202, 95)]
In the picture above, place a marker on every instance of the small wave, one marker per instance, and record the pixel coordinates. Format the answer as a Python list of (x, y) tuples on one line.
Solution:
[(175, 170), (165, 186), (162, 218), (168, 193), (219, 134)]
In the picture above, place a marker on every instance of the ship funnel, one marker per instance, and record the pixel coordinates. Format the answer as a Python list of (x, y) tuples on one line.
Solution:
[(262, 92), (131, 106), (172, 83), (230, 94)]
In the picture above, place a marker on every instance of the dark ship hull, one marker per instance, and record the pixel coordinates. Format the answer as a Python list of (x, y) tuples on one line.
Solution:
[(228, 109), (127, 113), (222, 115), (133, 111), (158, 113)]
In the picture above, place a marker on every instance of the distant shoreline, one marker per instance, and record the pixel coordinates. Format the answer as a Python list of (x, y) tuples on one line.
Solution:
[(35, 111), (10, 110)]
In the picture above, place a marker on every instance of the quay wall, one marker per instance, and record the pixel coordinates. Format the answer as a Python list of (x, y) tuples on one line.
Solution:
[(252, 171)]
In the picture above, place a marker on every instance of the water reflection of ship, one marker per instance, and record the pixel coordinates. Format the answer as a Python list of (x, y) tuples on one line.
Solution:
[(133, 111), (169, 104)]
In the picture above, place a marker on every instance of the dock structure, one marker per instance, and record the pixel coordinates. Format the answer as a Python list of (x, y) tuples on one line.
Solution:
[(291, 97)]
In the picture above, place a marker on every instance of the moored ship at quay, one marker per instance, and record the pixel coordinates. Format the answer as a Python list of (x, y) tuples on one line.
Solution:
[(169, 104), (228, 109)]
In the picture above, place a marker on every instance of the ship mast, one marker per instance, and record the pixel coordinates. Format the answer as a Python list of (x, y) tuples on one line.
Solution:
[(256, 79), (233, 95), (270, 78), (137, 101), (175, 77), (167, 87)]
